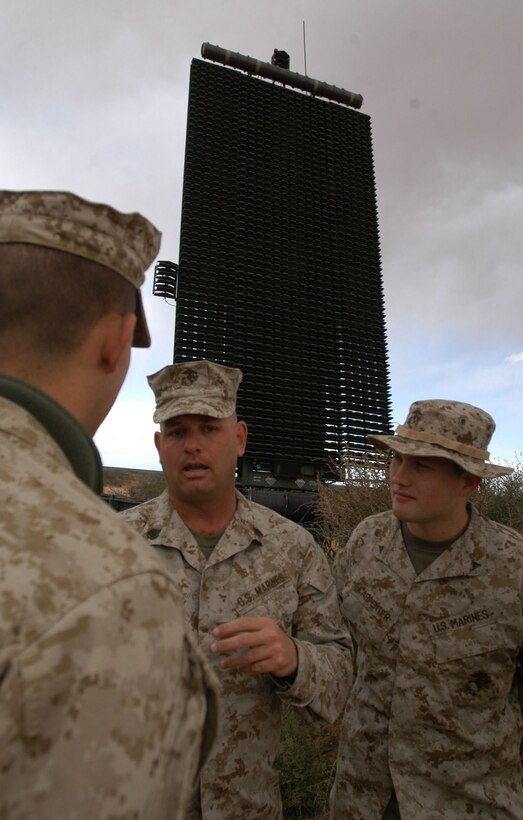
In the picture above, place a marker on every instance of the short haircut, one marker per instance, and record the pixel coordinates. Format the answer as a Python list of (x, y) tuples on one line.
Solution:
[(51, 299)]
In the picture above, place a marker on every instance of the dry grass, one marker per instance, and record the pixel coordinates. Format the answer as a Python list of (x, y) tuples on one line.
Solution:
[(361, 490), (140, 485), (306, 766), (502, 499)]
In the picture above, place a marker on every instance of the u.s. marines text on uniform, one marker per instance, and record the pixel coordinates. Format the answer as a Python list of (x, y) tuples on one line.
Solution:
[(103, 696), (257, 591)]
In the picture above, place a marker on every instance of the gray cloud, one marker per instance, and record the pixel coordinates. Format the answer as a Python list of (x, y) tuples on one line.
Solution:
[(94, 99)]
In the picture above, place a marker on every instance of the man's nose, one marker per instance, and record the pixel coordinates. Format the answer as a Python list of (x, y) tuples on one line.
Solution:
[(401, 473), (191, 442)]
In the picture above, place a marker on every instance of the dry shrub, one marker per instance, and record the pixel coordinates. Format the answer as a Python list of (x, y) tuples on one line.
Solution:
[(361, 489), (306, 765), (139, 485), (502, 499)]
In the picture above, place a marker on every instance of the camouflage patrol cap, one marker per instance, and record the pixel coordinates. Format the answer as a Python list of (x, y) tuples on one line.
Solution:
[(454, 430), (125, 243), (199, 388)]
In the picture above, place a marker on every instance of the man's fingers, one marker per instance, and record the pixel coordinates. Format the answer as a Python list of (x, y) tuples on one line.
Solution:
[(265, 634), (231, 628), (249, 660), (255, 646), (245, 640)]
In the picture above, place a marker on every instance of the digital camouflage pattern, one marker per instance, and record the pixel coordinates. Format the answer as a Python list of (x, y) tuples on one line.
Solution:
[(453, 430), (125, 243), (103, 696), (434, 710), (200, 388), (263, 565)]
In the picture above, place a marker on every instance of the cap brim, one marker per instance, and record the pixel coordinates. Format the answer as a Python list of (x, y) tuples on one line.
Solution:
[(416, 448), (193, 407), (142, 337)]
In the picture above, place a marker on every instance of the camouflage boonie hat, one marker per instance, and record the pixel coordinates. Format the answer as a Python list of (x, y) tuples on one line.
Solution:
[(454, 430), (197, 388), (125, 243)]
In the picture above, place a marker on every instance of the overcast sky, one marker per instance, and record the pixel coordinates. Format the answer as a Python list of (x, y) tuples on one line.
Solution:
[(94, 100)]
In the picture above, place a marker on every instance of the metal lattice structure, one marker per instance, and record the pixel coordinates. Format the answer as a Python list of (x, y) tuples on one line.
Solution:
[(279, 270)]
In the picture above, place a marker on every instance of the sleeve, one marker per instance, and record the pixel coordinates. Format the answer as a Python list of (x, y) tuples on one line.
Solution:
[(342, 565), (109, 710), (325, 655)]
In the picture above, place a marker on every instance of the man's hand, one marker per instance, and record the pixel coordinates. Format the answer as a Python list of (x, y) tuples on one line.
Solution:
[(255, 646)]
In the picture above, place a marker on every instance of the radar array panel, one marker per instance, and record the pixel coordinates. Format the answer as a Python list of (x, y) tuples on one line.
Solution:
[(279, 270)]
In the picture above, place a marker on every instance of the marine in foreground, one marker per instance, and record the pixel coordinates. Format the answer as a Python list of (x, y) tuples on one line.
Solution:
[(103, 697)]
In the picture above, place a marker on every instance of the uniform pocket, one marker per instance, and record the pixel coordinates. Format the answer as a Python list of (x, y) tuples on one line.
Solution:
[(274, 597), (478, 665)]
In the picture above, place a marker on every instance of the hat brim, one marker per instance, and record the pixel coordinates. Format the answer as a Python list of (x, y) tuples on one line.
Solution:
[(141, 337), (416, 448), (192, 407)]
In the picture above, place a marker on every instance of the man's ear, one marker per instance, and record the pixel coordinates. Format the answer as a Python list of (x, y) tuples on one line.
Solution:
[(471, 484), (157, 440), (117, 338), (241, 437)]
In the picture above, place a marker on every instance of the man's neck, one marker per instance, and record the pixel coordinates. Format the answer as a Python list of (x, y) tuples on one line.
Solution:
[(206, 517), (71, 388), (66, 430), (440, 530)]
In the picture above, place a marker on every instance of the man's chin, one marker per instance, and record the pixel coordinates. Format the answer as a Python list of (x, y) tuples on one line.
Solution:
[(194, 488), (401, 512)]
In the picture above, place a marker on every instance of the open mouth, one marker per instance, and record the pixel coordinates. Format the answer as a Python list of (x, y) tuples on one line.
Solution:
[(195, 470)]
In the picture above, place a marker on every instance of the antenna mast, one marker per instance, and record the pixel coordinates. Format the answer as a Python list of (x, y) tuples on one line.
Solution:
[(304, 49)]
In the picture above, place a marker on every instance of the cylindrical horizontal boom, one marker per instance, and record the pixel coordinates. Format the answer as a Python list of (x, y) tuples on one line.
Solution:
[(281, 75)]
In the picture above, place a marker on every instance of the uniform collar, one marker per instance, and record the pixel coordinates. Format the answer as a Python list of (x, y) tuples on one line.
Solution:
[(167, 529), (465, 557), (69, 435)]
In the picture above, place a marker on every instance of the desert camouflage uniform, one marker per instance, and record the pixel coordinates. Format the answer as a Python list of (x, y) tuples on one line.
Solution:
[(102, 695), (434, 710), (263, 565)]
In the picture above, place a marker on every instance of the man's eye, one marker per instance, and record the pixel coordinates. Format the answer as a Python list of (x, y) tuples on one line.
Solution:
[(210, 428)]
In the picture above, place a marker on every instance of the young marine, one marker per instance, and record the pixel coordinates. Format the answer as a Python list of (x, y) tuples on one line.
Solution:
[(432, 594)]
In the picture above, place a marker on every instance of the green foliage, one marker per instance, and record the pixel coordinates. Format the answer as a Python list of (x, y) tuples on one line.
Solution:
[(306, 766)]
